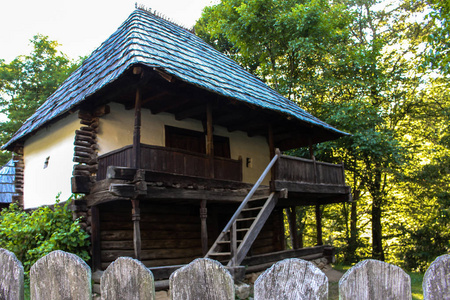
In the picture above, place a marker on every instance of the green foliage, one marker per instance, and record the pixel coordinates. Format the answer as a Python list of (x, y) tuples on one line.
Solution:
[(27, 81), (31, 235), (438, 40), (354, 64)]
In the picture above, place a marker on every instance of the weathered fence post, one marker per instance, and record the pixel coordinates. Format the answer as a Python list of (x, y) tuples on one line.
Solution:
[(292, 279), (373, 279), (436, 282), (127, 278), (60, 275), (204, 279), (11, 276)]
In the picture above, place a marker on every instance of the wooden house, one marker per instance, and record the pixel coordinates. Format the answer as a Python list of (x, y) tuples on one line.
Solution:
[(173, 146)]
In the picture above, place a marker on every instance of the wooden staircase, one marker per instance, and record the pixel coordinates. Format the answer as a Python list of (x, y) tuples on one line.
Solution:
[(237, 237)]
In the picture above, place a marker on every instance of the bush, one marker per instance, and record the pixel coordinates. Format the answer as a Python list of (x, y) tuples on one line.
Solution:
[(31, 235)]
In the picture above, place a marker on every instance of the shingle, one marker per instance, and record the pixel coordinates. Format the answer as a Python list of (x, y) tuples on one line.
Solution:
[(149, 40)]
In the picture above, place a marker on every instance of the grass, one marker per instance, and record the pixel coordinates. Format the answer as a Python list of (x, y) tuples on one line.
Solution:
[(416, 285)]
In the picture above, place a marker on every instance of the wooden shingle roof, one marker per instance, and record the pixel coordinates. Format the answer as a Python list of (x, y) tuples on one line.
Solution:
[(151, 41)]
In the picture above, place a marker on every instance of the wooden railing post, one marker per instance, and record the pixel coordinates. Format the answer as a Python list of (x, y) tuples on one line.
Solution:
[(233, 244)]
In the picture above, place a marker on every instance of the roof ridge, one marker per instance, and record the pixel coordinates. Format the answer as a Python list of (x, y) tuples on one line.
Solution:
[(163, 17)]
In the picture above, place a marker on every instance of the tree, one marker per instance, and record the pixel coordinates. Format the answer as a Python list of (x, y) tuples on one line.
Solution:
[(438, 55), (27, 81), (351, 64)]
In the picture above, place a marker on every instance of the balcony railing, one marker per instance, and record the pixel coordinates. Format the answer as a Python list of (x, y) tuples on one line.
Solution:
[(170, 160), (296, 169)]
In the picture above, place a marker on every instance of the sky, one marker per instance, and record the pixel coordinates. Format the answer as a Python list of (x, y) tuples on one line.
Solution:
[(80, 26)]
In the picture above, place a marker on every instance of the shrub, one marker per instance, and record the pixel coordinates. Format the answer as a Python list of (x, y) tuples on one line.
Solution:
[(31, 235)]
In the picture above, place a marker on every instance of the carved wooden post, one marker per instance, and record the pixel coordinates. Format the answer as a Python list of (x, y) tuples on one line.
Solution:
[(136, 217), (204, 229), (210, 139)]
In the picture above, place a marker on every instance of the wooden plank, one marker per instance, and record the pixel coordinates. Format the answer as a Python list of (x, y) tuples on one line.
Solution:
[(302, 187), (292, 279), (372, 279)]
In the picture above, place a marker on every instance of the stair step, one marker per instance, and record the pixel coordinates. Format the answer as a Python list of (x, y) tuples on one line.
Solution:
[(246, 219), (258, 198), (253, 208), (220, 254), (223, 242)]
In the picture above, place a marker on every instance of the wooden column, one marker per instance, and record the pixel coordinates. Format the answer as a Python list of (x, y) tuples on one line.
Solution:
[(319, 225), (136, 216), (210, 139), (137, 131), (95, 238), (292, 220), (204, 228)]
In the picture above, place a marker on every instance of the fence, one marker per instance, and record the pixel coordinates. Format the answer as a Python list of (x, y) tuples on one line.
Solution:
[(62, 275)]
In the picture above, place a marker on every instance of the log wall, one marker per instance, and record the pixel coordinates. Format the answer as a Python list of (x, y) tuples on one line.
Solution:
[(171, 233)]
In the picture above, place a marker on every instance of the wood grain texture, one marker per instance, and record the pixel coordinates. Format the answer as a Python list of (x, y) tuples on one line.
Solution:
[(11, 276), (203, 278), (373, 279), (127, 278), (60, 275), (436, 282), (292, 279)]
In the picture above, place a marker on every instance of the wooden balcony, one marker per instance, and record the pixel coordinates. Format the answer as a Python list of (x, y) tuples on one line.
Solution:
[(173, 161), (310, 181)]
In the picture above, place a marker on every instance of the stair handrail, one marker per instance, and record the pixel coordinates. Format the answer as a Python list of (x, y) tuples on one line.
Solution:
[(252, 191)]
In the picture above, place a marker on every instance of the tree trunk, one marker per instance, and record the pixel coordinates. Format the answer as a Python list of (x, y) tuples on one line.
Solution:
[(353, 239)]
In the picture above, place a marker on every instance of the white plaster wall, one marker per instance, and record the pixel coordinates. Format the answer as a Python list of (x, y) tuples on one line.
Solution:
[(116, 131), (41, 185)]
